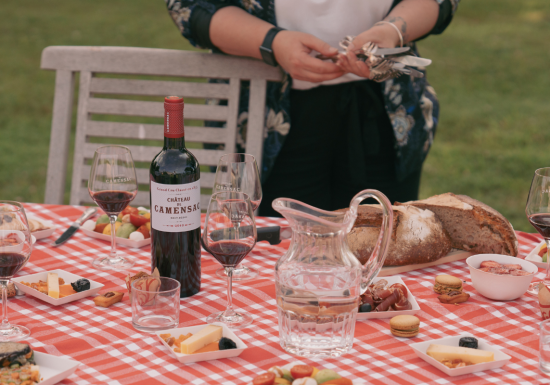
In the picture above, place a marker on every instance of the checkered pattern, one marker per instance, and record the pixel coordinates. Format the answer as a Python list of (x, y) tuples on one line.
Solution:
[(111, 351)]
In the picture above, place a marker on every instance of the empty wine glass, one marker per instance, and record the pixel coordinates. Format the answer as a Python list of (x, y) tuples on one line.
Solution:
[(229, 235), (239, 173), (537, 210), (112, 185), (15, 251)]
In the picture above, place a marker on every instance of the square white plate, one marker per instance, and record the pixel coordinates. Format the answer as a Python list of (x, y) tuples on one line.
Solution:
[(501, 359), (43, 233), (392, 313), (189, 358), (534, 258), (67, 277), (54, 369), (120, 241)]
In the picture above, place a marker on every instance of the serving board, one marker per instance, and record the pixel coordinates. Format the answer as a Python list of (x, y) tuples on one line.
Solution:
[(454, 255)]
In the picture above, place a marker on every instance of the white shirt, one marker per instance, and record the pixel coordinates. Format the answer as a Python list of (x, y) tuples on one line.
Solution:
[(330, 21)]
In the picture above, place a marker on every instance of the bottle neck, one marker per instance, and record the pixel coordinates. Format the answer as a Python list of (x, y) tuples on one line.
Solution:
[(174, 143)]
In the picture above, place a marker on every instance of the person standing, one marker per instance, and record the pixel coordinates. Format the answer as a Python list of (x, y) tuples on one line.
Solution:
[(330, 131)]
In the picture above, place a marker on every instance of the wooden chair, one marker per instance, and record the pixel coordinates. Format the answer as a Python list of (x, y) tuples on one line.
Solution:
[(91, 61)]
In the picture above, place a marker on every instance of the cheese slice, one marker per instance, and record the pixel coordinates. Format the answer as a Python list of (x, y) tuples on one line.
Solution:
[(444, 352), (53, 285), (207, 335)]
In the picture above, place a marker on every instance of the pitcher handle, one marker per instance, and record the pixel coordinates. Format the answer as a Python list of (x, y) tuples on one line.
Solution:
[(375, 262)]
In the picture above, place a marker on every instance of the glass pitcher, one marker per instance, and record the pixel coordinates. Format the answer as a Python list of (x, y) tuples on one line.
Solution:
[(319, 281)]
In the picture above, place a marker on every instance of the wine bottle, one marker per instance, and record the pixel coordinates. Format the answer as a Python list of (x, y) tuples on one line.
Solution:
[(175, 205)]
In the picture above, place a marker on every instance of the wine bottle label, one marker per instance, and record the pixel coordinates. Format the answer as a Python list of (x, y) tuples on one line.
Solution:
[(175, 207)]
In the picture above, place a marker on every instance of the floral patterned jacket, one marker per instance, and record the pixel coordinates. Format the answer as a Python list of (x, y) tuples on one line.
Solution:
[(411, 103)]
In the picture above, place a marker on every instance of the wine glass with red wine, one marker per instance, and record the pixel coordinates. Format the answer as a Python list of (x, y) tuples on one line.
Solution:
[(239, 172), (15, 251), (537, 210), (228, 213), (112, 185)]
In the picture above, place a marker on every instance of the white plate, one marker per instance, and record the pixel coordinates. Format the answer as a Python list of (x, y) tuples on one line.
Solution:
[(54, 369), (120, 241), (501, 359), (392, 313), (189, 358), (534, 258), (67, 277), (43, 233)]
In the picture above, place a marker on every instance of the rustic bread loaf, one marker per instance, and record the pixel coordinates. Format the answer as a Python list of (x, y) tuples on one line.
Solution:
[(471, 224), (417, 235)]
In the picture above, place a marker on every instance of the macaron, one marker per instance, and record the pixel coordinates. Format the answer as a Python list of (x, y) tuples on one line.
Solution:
[(445, 284), (405, 326)]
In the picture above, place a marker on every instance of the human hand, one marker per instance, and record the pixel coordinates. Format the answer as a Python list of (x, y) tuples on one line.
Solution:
[(291, 50), (383, 35)]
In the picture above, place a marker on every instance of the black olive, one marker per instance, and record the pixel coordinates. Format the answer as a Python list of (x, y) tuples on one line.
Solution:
[(81, 285), (365, 308), (468, 342), (227, 343)]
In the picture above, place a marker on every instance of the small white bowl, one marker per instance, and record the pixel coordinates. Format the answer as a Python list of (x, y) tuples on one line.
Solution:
[(392, 313), (501, 358), (189, 358), (13, 249), (500, 287)]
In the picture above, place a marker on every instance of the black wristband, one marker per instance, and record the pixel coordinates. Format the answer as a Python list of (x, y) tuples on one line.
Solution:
[(265, 49)]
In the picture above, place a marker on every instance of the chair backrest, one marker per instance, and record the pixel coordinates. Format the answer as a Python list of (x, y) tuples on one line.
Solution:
[(101, 96)]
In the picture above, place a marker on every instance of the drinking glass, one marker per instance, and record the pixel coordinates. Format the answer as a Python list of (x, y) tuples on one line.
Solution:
[(239, 173), (155, 304), (15, 251), (229, 235), (537, 210), (112, 185)]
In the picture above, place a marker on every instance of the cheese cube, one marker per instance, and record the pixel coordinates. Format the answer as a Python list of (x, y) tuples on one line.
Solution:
[(207, 335), (53, 285), (444, 352)]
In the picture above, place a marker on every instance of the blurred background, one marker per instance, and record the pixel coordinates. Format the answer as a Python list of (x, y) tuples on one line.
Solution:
[(489, 70)]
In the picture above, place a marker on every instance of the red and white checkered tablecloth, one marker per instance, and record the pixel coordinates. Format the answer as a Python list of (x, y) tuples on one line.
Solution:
[(111, 351)]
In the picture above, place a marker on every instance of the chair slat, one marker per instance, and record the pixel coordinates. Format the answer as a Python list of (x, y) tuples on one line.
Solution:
[(151, 132), (159, 88), (147, 153), (153, 61), (207, 178), (153, 109)]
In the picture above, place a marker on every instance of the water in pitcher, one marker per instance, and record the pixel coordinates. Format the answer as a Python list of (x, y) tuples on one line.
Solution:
[(317, 309)]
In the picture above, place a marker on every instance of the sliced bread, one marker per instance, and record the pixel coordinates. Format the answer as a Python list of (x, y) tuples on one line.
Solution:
[(471, 224)]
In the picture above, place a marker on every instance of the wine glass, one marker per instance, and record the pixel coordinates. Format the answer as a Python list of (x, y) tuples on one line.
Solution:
[(112, 185), (537, 210), (239, 172), (229, 235), (15, 251)]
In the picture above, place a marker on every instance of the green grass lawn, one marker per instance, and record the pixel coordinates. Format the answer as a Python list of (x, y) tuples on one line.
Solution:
[(489, 69)]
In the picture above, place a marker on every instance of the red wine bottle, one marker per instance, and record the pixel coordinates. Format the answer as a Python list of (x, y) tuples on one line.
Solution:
[(175, 205)]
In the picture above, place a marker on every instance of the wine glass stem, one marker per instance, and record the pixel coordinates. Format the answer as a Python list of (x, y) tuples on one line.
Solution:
[(547, 278), (113, 256), (5, 323), (229, 312)]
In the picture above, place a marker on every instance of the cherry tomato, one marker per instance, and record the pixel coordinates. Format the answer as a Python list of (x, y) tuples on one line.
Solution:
[(138, 220), (99, 227), (299, 371), (145, 231), (130, 210), (264, 379)]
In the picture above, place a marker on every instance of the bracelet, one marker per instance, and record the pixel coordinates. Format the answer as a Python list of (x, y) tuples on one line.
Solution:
[(395, 27)]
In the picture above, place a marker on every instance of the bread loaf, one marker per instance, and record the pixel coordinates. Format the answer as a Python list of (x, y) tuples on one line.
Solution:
[(471, 224), (417, 235)]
